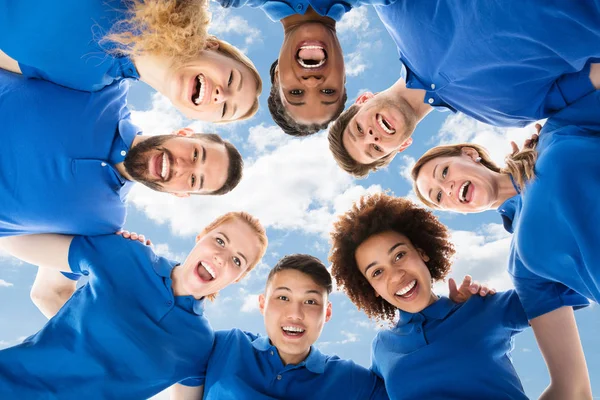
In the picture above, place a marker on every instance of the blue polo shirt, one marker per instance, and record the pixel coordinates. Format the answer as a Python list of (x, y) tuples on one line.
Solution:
[(59, 42), (246, 366), (57, 155), (123, 335), (554, 258), (453, 351), (500, 62), (279, 9)]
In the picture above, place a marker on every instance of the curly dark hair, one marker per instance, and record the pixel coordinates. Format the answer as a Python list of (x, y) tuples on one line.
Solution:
[(285, 121), (377, 213)]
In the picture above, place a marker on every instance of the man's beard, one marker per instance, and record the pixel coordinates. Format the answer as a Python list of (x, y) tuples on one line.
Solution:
[(136, 162)]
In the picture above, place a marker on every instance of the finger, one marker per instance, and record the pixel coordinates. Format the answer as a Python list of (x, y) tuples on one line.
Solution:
[(126, 234), (149, 242), (466, 282), (142, 238), (538, 127), (119, 232), (492, 291), (134, 236), (452, 286), (475, 287), (515, 148), (483, 291)]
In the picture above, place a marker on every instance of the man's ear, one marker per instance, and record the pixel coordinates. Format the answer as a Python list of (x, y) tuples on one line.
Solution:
[(187, 132), (181, 194), (211, 45), (363, 98), (261, 303), (328, 312), (404, 145)]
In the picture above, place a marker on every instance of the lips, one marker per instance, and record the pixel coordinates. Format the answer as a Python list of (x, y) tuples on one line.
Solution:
[(465, 193), (311, 55), (385, 124), (293, 331), (408, 291), (205, 271), (159, 165), (200, 88)]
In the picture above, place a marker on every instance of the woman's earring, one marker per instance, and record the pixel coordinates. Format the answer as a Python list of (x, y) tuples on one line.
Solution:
[(478, 159)]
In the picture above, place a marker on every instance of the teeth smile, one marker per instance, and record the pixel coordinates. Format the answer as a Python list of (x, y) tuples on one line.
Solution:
[(310, 66), (200, 96), (209, 269), (406, 288), (163, 173), (385, 125), (463, 191), (293, 329)]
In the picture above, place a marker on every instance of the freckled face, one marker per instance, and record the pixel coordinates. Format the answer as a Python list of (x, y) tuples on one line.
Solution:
[(220, 257), (457, 184), (396, 270), (295, 309)]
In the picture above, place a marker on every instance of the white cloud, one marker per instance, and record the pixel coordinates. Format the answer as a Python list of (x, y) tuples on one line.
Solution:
[(224, 23), (407, 164), (3, 283), (263, 138), (355, 63), (163, 250), (354, 22), (250, 303), (458, 128)]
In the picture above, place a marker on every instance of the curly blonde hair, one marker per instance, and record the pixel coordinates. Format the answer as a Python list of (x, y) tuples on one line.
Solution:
[(520, 164)]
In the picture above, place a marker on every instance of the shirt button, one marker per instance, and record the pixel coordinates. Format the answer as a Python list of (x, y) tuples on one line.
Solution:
[(418, 330), (169, 303), (123, 152), (278, 377), (299, 7), (271, 352), (103, 164), (430, 101), (433, 85)]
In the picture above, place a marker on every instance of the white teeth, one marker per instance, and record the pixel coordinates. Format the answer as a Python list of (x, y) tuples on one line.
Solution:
[(384, 126), (463, 191), (163, 173), (301, 62), (200, 97), (292, 329), (311, 48), (406, 288), (208, 268)]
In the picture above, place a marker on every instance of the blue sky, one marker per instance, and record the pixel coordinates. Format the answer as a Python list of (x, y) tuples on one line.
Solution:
[(294, 187)]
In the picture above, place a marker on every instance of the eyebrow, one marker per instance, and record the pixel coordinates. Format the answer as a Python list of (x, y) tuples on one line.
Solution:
[(203, 154), (429, 193), (289, 290), (296, 104), (228, 242), (389, 252), (239, 87)]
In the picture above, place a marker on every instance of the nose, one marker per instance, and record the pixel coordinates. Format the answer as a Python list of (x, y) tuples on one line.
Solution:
[(218, 95), (218, 259), (449, 187), (372, 136), (312, 80), (397, 275), (294, 311)]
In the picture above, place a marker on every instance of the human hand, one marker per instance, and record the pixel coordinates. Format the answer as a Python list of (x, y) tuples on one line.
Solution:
[(467, 289), (134, 236)]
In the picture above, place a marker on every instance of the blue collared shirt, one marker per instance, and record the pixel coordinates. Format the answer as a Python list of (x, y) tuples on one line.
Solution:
[(123, 335), (57, 155), (554, 252), (453, 351), (280, 9), (60, 42), (501, 62), (247, 366)]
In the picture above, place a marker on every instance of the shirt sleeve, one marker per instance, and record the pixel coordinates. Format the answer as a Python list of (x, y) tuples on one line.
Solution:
[(513, 311), (540, 296), (576, 85), (79, 255), (192, 382), (584, 113)]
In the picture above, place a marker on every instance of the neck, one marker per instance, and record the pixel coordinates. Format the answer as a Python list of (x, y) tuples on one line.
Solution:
[(504, 190), (153, 71), (177, 281), (120, 167), (293, 359), (414, 97), (293, 21)]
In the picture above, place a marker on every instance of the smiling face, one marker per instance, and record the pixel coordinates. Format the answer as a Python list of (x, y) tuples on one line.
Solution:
[(220, 257), (212, 87), (295, 309), (311, 73), (383, 125), (396, 270), (458, 183), (179, 164)]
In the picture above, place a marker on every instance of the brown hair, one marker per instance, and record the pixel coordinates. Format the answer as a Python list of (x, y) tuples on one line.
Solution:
[(253, 223), (377, 213), (285, 121), (308, 265), (520, 164), (341, 155)]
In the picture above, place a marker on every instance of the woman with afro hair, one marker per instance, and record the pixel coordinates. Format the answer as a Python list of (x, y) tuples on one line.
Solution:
[(386, 254)]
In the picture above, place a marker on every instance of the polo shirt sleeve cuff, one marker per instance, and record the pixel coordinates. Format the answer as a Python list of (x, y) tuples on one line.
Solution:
[(78, 257), (29, 72), (192, 382), (539, 298), (575, 85)]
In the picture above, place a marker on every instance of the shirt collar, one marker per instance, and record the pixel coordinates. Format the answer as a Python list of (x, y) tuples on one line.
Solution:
[(315, 362), (438, 310), (507, 211)]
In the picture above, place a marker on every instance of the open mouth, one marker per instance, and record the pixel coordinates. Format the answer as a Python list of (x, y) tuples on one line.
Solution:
[(311, 56), (199, 91), (409, 290), (385, 125), (205, 271), (292, 331), (161, 166), (465, 193)]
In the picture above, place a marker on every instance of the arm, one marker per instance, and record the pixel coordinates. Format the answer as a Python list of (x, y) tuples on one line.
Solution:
[(182, 392), (47, 250), (9, 64), (558, 339)]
